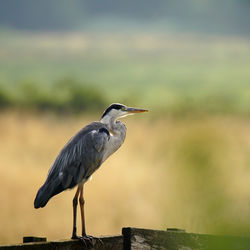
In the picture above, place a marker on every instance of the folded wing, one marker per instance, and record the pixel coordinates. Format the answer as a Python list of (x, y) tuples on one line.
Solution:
[(76, 162)]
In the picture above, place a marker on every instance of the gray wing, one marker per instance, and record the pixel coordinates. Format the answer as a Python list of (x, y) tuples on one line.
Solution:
[(76, 162), (80, 157)]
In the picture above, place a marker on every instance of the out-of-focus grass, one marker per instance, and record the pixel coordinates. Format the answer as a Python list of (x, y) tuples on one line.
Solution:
[(185, 173), (180, 73)]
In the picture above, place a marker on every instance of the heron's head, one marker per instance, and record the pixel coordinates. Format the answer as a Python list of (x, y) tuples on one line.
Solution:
[(117, 110)]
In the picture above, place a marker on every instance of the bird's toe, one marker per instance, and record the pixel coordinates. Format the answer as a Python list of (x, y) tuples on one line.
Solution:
[(88, 240)]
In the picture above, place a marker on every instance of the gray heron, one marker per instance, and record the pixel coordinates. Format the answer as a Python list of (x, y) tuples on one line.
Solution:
[(82, 156)]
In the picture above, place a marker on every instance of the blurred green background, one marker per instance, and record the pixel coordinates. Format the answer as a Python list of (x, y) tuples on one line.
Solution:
[(188, 62), (182, 57)]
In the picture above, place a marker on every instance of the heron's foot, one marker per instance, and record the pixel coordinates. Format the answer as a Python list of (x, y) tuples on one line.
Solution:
[(88, 240), (96, 239)]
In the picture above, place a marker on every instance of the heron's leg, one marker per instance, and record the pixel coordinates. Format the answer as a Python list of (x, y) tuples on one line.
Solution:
[(75, 202), (82, 201), (88, 239)]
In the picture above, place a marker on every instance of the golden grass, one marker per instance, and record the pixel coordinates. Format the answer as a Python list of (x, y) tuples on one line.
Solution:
[(185, 173)]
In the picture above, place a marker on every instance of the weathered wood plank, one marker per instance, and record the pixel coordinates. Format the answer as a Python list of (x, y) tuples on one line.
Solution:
[(109, 243), (138, 239)]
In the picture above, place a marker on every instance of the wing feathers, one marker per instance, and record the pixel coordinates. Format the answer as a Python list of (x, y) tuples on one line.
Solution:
[(76, 162)]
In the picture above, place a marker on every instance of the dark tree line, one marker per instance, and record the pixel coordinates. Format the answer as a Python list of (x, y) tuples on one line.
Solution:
[(227, 16)]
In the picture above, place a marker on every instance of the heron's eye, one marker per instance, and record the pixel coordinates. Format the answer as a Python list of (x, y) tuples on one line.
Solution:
[(123, 109)]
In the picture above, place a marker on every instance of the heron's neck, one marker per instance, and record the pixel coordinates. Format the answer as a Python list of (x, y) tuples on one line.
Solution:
[(111, 123), (114, 126), (117, 135)]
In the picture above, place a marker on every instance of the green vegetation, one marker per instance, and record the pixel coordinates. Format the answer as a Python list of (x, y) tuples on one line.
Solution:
[(4, 98), (66, 95), (178, 74)]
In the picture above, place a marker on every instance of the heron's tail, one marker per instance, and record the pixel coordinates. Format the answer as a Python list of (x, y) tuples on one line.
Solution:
[(45, 193), (42, 197)]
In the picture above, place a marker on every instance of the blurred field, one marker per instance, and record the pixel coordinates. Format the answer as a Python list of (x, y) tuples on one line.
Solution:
[(185, 164), (170, 172), (179, 73)]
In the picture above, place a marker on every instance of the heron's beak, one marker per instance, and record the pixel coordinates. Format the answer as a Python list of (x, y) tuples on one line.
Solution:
[(135, 110)]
